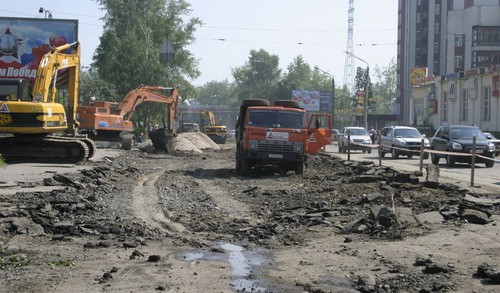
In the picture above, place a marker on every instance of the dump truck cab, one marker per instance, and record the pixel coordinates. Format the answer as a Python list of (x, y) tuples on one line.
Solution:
[(281, 135)]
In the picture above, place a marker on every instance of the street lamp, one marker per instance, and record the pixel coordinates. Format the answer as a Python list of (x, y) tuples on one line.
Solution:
[(333, 91), (367, 88), (48, 13)]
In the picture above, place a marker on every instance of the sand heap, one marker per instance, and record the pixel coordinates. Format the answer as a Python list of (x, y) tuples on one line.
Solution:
[(192, 142)]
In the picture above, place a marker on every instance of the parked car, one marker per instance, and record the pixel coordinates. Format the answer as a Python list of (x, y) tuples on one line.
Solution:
[(336, 134), (495, 141), (402, 140), (360, 140), (459, 139)]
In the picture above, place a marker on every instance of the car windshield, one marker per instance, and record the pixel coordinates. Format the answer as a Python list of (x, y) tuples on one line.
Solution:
[(410, 133), (357, 131), (467, 133), (276, 119)]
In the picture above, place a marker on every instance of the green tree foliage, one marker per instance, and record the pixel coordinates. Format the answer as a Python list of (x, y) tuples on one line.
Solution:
[(128, 54), (258, 77), (91, 85), (297, 77), (217, 93), (384, 90)]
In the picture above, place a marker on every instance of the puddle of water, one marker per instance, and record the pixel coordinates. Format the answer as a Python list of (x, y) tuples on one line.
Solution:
[(242, 262), (241, 269), (192, 256)]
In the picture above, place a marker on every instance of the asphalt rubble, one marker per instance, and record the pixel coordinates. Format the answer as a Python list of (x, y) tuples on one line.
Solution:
[(352, 198)]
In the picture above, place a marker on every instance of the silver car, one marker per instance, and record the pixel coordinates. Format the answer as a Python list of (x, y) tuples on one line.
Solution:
[(360, 140), (402, 140)]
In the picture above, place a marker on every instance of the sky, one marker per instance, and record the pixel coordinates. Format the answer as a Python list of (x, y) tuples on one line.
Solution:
[(314, 29)]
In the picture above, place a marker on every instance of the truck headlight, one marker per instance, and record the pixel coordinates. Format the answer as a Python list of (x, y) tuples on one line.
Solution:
[(402, 142), (491, 146), (253, 146), (298, 148), (427, 143), (456, 146)]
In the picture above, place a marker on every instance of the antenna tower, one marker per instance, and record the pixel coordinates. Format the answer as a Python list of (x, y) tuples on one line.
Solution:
[(349, 59)]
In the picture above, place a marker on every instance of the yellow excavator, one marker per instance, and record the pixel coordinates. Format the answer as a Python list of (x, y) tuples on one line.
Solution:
[(209, 126), (33, 125)]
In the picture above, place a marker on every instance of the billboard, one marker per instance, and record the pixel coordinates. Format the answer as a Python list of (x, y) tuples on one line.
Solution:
[(313, 101), (417, 75), (24, 41)]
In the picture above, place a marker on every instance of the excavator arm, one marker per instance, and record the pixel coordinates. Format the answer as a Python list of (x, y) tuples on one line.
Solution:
[(44, 89), (146, 93)]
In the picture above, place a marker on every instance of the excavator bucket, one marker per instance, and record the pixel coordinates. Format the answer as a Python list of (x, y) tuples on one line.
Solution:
[(162, 138)]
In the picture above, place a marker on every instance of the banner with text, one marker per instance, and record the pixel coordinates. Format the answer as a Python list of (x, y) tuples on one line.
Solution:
[(24, 41)]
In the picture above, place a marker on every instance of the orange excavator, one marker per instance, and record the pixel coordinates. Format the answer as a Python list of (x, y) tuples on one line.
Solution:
[(111, 121)]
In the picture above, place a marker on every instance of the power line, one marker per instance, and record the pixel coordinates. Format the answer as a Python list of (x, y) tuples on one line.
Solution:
[(289, 43), (292, 30)]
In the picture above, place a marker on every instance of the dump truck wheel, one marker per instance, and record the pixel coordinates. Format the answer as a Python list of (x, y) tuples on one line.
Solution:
[(288, 104), (299, 170), (255, 102), (127, 142)]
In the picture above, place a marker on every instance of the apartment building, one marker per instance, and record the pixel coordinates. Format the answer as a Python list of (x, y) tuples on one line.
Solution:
[(447, 38)]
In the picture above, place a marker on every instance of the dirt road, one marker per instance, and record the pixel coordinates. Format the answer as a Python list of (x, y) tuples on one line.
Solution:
[(147, 222)]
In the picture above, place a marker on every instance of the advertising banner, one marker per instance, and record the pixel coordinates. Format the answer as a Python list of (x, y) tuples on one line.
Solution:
[(417, 75), (313, 101), (24, 41)]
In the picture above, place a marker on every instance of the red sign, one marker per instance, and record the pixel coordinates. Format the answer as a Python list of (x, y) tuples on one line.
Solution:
[(496, 86)]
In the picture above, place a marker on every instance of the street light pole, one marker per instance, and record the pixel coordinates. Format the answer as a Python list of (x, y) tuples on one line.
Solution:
[(333, 91), (367, 88), (48, 13)]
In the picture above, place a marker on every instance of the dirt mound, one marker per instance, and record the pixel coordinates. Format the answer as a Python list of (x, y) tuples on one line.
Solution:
[(194, 142), (187, 142)]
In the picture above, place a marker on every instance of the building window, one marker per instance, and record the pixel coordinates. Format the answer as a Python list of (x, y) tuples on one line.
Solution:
[(486, 103), (464, 104), (419, 17), (437, 9), (458, 61), (459, 40), (418, 105), (444, 107), (485, 36), (436, 28)]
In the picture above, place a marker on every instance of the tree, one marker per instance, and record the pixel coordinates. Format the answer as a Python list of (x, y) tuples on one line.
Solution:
[(128, 53), (297, 77), (384, 89), (91, 85), (258, 77), (217, 93)]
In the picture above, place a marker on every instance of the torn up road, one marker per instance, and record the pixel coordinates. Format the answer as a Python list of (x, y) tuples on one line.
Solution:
[(147, 222)]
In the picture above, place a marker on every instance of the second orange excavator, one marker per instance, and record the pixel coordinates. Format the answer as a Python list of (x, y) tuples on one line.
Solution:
[(111, 121)]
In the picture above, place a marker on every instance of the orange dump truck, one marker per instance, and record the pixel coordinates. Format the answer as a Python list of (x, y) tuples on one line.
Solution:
[(280, 135)]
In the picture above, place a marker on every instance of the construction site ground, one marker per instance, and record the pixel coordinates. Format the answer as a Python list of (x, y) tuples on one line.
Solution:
[(145, 221)]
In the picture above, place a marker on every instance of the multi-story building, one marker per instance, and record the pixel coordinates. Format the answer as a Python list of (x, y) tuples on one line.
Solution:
[(471, 97), (445, 37)]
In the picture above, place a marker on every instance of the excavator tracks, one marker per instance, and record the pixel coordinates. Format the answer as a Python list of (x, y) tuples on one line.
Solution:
[(49, 149)]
